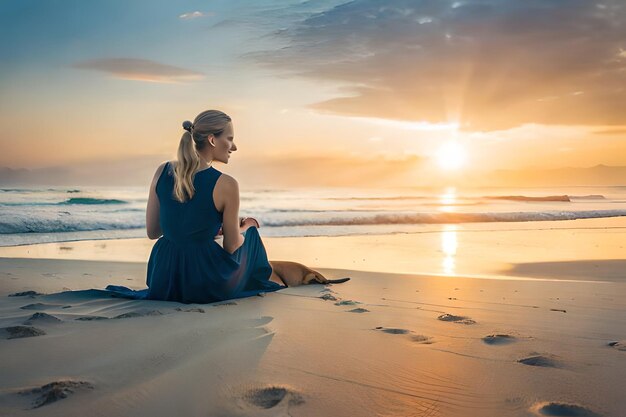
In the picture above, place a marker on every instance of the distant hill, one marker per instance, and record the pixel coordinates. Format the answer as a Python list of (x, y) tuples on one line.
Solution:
[(131, 171)]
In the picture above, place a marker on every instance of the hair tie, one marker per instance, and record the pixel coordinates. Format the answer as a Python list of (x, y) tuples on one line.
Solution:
[(187, 125)]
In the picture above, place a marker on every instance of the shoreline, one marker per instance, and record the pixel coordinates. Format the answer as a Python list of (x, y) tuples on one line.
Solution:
[(328, 230), (444, 251)]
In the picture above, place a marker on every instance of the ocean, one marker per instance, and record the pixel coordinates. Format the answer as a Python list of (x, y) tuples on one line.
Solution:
[(37, 215)]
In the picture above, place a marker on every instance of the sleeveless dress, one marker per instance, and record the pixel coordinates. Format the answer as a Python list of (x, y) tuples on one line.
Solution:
[(186, 263)]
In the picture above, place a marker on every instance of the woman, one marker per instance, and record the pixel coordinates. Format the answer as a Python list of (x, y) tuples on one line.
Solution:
[(190, 202)]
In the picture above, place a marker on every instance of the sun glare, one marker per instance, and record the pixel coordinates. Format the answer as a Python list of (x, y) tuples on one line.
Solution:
[(451, 156)]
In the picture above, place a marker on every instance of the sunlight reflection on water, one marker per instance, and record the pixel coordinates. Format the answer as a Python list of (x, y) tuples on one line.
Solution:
[(449, 246)]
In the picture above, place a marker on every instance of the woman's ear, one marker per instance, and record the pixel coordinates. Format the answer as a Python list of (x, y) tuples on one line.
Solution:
[(211, 140)]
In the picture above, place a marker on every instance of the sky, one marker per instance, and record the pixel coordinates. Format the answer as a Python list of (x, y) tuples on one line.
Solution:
[(360, 92)]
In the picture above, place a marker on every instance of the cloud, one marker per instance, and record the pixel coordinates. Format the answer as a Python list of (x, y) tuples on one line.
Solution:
[(140, 70), (487, 64), (194, 15)]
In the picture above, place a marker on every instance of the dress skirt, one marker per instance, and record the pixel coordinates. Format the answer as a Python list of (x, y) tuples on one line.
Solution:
[(204, 272)]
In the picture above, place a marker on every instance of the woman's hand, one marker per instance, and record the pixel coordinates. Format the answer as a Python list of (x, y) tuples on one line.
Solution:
[(244, 224), (247, 222)]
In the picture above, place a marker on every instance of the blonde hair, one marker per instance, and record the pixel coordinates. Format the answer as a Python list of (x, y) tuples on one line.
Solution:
[(194, 140)]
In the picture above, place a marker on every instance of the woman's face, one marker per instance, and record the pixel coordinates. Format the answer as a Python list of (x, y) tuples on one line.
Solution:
[(224, 144)]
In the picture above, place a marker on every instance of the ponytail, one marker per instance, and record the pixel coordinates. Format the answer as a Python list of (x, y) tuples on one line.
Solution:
[(187, 166)]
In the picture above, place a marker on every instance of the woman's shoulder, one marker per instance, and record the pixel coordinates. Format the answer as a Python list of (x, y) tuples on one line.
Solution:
[(163, 164), (169, 165), (159, 170), (226, 191), (227, 182)]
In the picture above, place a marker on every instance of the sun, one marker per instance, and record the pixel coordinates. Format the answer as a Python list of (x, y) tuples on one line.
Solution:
[(451, 156)]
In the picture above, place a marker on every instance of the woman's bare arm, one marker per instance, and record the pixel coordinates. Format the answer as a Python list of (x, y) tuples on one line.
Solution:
[(229, 190), (244, 224), (153, 226)]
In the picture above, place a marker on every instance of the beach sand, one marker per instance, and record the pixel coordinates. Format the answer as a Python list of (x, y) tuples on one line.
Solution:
[(470, 321)]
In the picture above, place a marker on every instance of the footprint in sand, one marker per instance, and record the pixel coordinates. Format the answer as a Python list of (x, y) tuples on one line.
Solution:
[(138, 314), (17, 332), (419, 338), (55, 391), (347, 303), (270, 397), (40, 306), (618, 345), (191, 310), (392, 330), (328, 297), (91, 318), (42, 318), (226, 303), (128, 315), (499, 339), (562, 410), (25, 293), (456, 319), (541, 361), (416, 338)]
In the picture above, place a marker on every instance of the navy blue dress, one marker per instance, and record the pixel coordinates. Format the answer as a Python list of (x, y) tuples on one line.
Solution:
[(187, 264)]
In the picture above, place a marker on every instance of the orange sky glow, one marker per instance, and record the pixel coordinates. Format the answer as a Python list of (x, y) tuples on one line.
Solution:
[(456, 91)]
